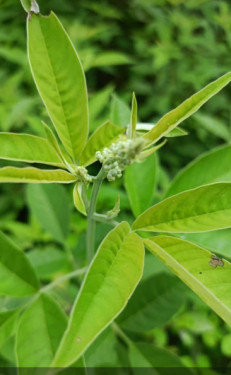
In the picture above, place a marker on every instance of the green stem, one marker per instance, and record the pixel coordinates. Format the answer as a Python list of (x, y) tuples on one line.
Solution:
[(68, 276), (90, 216), (103, 219), (118, 331)]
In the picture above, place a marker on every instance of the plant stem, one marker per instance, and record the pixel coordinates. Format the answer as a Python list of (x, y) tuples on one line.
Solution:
[(118, 331), (68, 276), (103, 219), (90, 216)]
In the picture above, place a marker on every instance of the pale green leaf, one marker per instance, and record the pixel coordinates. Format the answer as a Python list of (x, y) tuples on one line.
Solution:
[(140, 182), (217, 241), (143, 354), (50, 205), (48, 262), (35, 175), (133, 119), (192, 264), (103, 137), (173, 118), (39, 333), (213, 166), (97, 104), (28, 148), (60, 80), (105, 292), (120, 112), (102, 353), (78, 198), (177, 132), (213, 125), (198, 210), (26, 5), (8, 320), (17, 276), (154, 302), (144, 154)]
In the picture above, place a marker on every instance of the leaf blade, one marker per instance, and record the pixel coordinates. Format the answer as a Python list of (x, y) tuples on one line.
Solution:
[(28, 148), (46, 322), (140, 182), (199, 173), (119, 250), (193, 211), (173, 118), (55, 66), (192, 264), (103, 136), (17, 277), (35, 175)]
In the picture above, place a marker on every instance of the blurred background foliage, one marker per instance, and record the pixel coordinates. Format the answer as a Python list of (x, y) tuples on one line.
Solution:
[(164, 51)]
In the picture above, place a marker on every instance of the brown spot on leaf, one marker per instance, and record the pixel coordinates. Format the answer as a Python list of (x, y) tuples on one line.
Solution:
[(216, 262)]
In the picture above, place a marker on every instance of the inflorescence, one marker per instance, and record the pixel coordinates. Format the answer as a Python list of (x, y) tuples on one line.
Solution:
[(120, 154)]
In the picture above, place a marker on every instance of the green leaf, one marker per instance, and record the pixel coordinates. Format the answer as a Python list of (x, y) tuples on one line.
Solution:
[(213, 125), (35, 175), (103, 137), (192, 264), (217, 241), (28, 148), (154, 302), (50, 205), (196, 210), (60, 80), (39, 333), (97, 104), (48, 262), (26, 5), (120, 112), (199, 172), (102, 353), (78, 199), (140, 182), (143, 354), (173, 118), (17, 276), (133, 118), (104, 293), (8, 320), (177, 132)]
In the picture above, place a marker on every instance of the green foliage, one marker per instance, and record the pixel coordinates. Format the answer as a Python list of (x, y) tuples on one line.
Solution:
[(194, 266), (45, 321), (164, 50), (17, 277), (55, 66), (54, 215), (195, 210), (103, 290)]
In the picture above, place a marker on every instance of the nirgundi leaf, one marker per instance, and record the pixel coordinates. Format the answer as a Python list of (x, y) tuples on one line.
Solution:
[(39, 333), (200, 172), (198, 210), (173, 118), (110, 281), (193, 265), (28, 148), (17, 276), (35, 175), (60, 80)]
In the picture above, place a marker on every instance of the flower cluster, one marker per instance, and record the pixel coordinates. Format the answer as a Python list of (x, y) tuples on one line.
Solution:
[(120, 154), (82, 175)]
